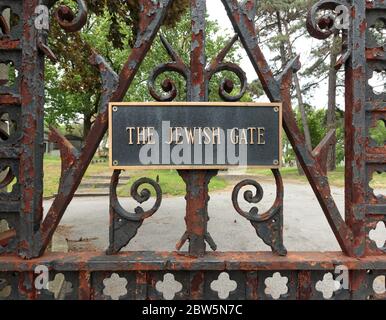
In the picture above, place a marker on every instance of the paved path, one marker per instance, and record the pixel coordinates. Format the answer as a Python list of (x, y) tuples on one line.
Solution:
[(305, 227)]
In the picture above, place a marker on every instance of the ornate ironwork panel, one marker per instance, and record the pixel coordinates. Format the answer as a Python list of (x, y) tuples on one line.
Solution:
[(193, 274)]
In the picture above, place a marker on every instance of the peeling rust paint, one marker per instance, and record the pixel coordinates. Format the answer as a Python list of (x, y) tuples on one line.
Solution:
[(29, 234)]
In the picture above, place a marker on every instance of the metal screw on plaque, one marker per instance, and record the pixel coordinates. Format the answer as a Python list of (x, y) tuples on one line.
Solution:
[(276, 109), (115, 109), (276, 162), (115, 162)]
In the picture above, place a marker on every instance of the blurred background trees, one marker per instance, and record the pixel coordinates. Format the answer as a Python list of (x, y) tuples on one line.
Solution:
[(73, 85)]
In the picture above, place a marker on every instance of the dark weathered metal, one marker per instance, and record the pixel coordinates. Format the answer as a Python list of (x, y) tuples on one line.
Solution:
[(114, 89), (355, 129), (178, 66), (227, 85), (87, 271), (314, 171), (21, 155), (168, 86), (363, 157), (268, 225), (364, 108), (123, 224), (31, 158), (67, 19), (322, 27), (197, 217), (279, 90), (74, 163)]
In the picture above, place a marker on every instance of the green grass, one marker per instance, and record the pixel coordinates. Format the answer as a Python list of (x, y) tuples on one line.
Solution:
[(51, 175), (52, 171), (172, 184)]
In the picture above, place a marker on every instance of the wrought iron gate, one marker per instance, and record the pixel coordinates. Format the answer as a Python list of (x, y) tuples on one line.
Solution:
[(23, 247)]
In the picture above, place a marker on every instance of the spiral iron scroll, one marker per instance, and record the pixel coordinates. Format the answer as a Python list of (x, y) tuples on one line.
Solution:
[(322, 27), (178, 66), (69, 21), (268, 225), (123, 224)]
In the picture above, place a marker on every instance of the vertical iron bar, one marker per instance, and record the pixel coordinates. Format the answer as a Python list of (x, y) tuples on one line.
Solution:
[(355, 129), (197, 181), (31, 158), (199, 89)]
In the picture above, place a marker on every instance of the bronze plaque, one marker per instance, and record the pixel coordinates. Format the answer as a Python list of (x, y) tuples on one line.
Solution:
[(183, 135)]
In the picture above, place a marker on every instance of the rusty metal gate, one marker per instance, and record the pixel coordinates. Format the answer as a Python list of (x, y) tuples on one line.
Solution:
[(23, 246)]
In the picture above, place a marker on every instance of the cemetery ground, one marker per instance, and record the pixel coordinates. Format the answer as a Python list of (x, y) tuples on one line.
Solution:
[(97, 179), (85, 226)]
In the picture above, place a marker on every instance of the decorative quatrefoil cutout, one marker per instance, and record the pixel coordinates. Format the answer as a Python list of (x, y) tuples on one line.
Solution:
[(5, 289), (379, 234), (379, 285), (168, 287), (377, 82), (115, 287), (276, 286), (4, 226), (223, 285), (59, 286), (328, 285)]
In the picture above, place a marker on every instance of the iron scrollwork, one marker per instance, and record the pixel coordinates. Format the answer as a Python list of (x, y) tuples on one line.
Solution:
[(178, 65), (227, 85), (123, 224), (268, 225), (168, 86), (322, 26), (68, 20)]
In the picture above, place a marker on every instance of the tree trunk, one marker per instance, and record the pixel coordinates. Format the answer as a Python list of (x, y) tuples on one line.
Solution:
[(331, 117), (303, 113), (87, 123), (299, 96), (281, 46)]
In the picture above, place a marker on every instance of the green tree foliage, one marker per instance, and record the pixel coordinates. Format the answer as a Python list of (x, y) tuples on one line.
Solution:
[(73, 85), (378, 133), (317, 120)]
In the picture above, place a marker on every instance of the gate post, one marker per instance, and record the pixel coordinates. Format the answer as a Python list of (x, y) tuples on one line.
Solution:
[(197, 181), (355, 129), (197, 217), (21, 153), (31, 159)]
